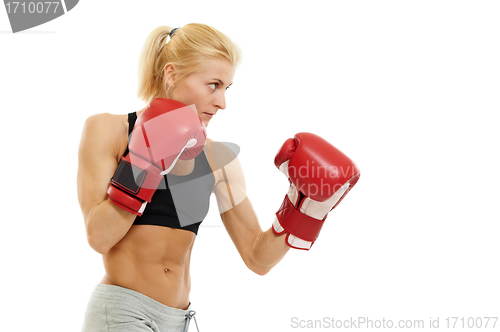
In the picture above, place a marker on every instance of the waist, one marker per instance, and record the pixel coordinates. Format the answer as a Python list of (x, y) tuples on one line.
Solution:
[(168, 284), (172, 292), (118, 295)]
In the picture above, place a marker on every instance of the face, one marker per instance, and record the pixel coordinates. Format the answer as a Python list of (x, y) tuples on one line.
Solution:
[(205, 88)]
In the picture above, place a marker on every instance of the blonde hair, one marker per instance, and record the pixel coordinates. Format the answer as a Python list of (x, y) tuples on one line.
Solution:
[(189, 46)]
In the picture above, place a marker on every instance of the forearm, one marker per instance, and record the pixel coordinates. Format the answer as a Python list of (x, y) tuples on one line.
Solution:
[(107, 225), (268, 250)]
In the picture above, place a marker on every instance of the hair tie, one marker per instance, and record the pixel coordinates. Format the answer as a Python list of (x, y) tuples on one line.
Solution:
[(171, 33)]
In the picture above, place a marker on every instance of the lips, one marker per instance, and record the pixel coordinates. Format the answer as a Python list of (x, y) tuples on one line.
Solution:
[(209, 114)]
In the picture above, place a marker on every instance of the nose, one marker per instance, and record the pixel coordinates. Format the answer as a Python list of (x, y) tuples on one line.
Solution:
[(220, 102)]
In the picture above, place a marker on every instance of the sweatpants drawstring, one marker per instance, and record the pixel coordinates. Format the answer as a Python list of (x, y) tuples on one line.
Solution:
[(190, 314)]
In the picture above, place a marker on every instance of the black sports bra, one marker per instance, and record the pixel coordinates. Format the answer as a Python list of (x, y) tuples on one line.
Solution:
[(181, 201)]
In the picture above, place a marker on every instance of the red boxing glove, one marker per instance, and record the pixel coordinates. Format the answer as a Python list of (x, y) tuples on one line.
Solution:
[(165, 132), (320, 176)]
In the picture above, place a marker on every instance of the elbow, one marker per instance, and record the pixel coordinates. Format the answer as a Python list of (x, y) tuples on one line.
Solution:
[(97, 245), (257, 268), (260, 271), (96, 240)]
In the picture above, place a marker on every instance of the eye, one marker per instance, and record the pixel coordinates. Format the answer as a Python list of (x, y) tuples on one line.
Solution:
[(217, 84)]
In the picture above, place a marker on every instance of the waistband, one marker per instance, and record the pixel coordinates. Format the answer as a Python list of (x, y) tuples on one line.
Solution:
[(114, 291)]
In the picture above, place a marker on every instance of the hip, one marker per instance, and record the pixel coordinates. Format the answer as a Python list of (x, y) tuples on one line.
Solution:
[(116, 308), (167, 288)]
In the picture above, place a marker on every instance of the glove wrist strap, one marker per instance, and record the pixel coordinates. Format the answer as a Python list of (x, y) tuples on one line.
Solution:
[(297, 223)]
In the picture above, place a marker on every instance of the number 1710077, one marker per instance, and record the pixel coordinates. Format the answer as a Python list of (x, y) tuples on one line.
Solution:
[(32, 7)]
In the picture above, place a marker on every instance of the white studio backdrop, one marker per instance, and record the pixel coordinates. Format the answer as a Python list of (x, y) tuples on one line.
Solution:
[(408, 89)]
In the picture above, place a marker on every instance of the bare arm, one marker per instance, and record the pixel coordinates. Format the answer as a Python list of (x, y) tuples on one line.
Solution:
[(105, 223), (259, 250)]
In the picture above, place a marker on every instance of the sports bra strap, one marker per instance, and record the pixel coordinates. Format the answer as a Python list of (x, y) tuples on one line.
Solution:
[(131, 123)]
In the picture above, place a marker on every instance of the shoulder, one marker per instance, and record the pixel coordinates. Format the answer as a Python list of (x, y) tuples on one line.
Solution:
[(104, 122), (223, 160), (105, 131), (220, 154)]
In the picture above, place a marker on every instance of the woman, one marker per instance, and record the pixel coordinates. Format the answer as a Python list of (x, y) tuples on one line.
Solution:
[(146, 254)]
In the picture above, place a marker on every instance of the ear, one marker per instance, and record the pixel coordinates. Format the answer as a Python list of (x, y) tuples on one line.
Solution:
[(169, 73)]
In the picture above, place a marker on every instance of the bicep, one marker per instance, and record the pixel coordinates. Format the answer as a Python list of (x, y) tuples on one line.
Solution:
[(230, 187), (96, 163)]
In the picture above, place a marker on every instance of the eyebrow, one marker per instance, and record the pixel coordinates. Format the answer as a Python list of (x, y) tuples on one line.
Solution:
[(216, 79)]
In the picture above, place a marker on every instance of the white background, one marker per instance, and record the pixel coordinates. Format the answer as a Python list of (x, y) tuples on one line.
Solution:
[(408, 89)]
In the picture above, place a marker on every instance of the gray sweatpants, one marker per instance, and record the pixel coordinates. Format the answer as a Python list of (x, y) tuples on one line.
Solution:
[(117, 309)]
